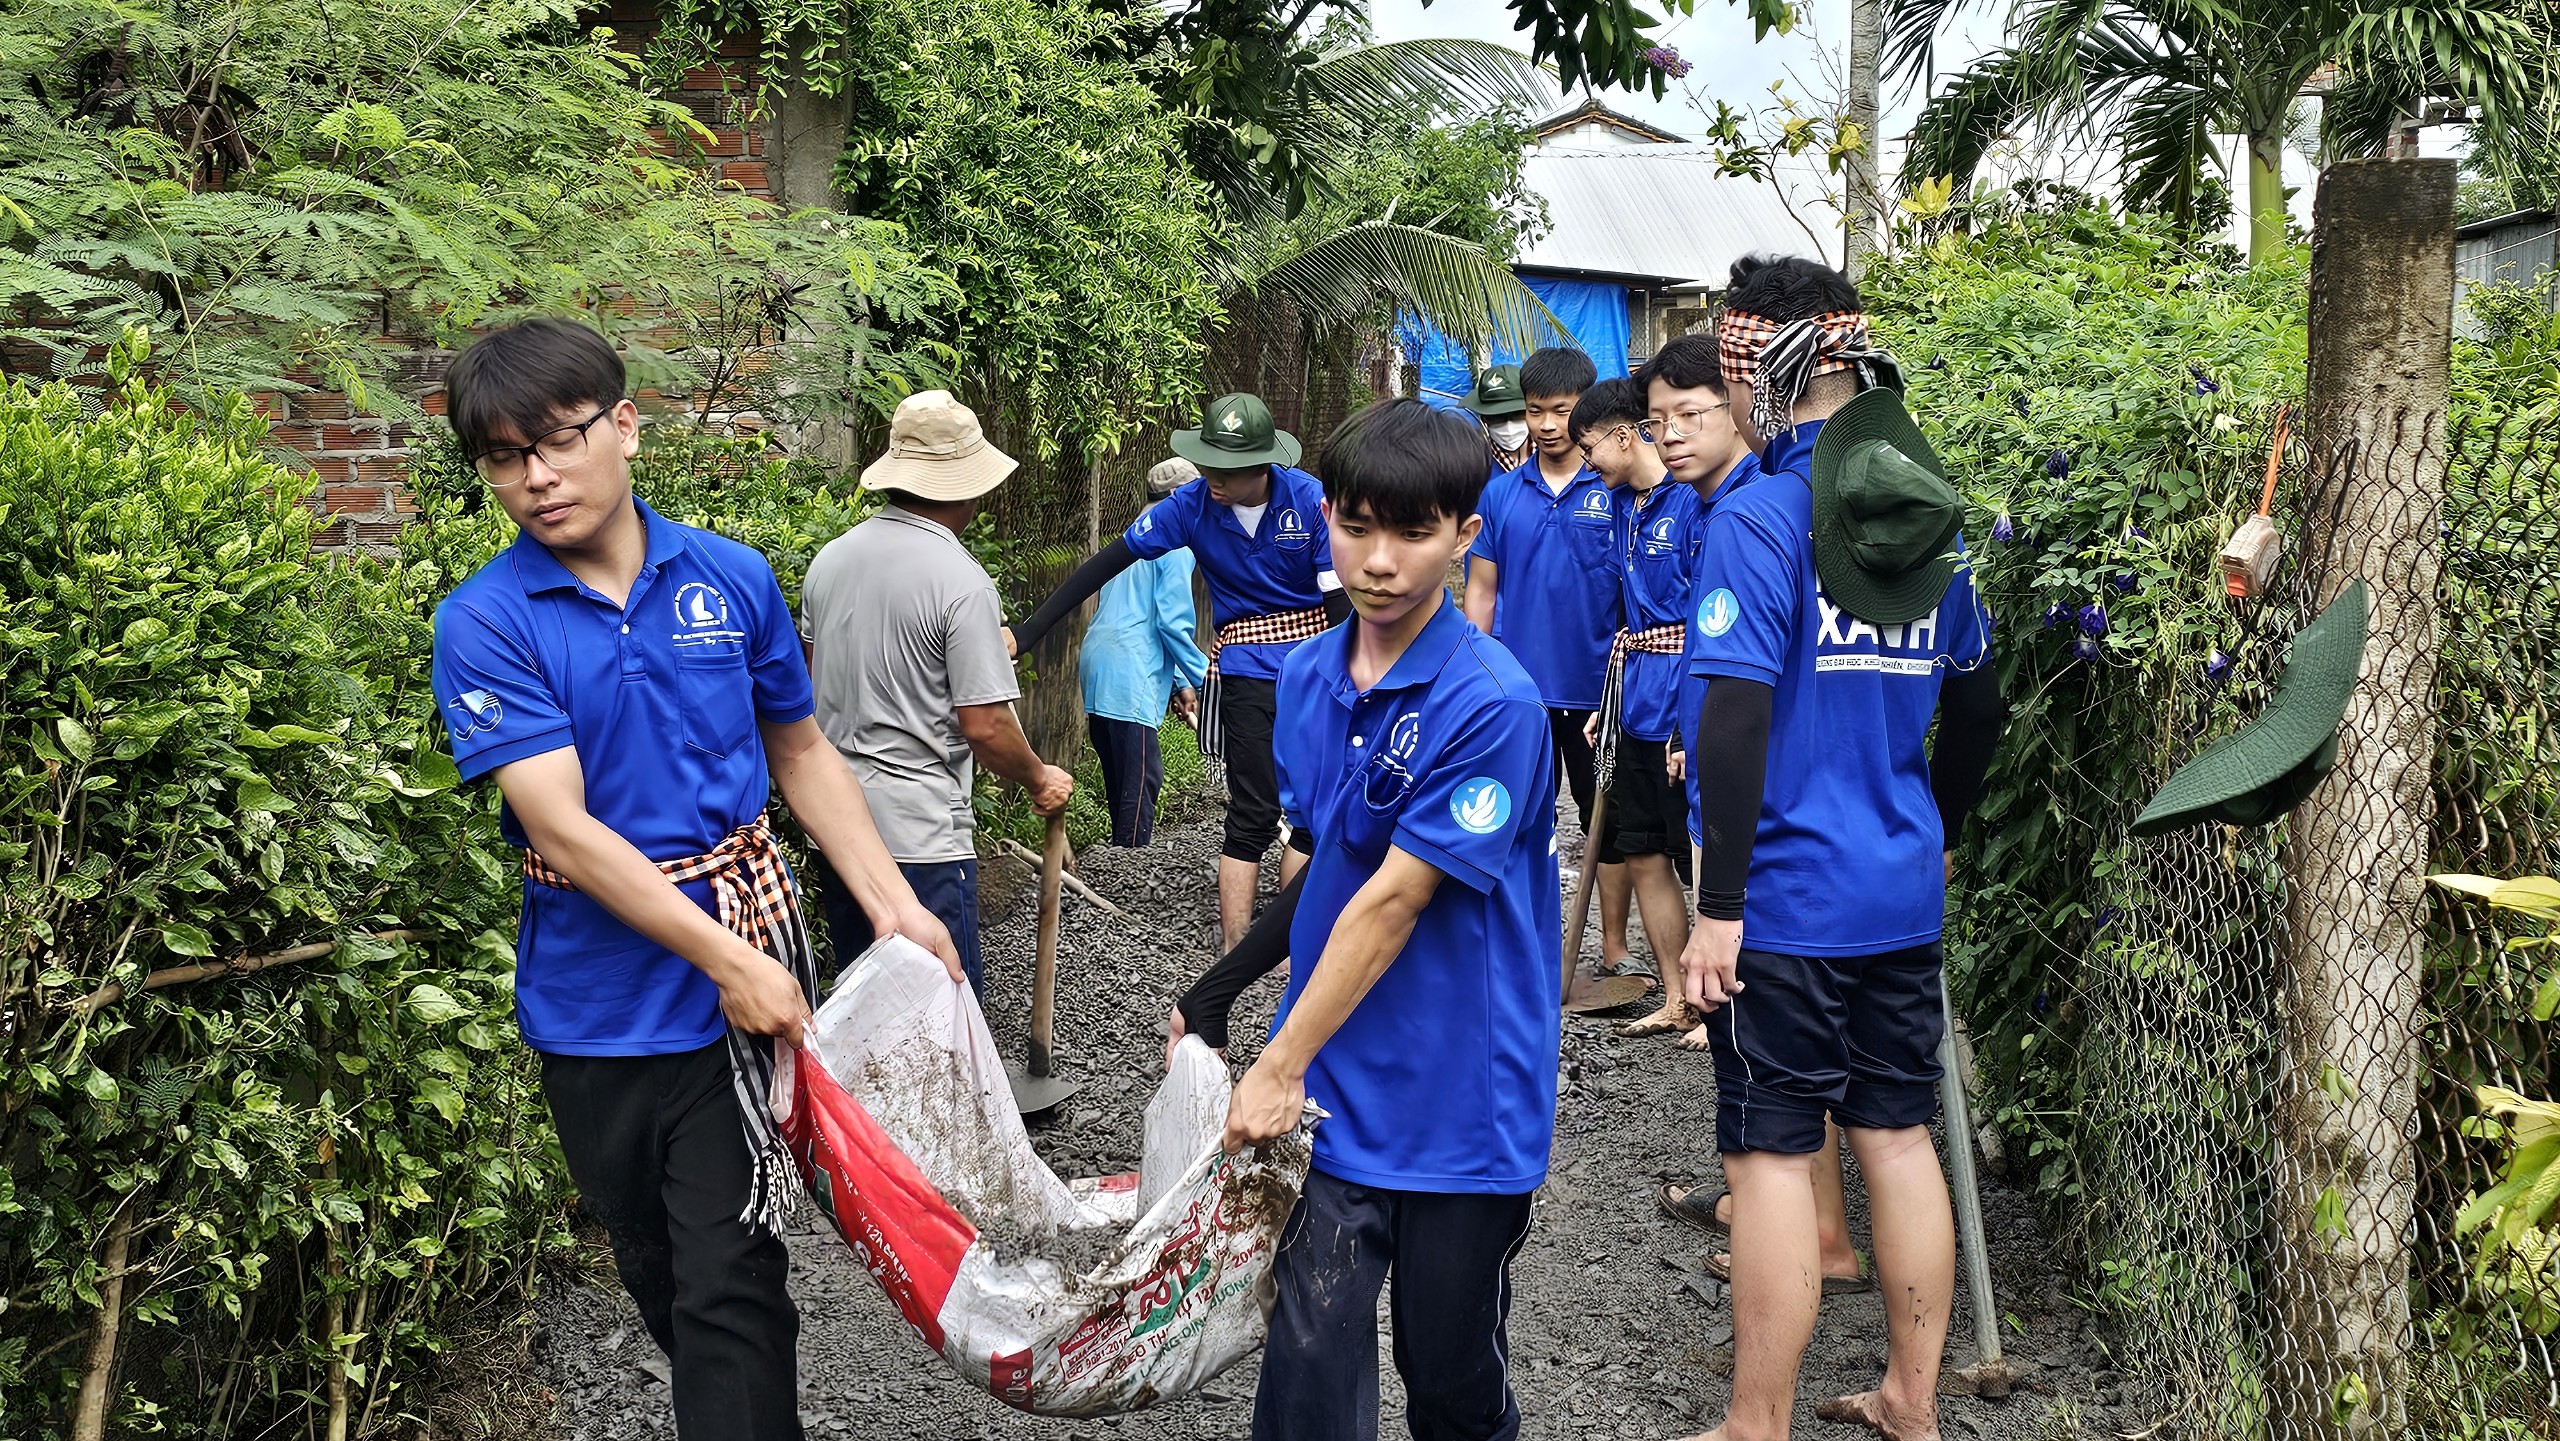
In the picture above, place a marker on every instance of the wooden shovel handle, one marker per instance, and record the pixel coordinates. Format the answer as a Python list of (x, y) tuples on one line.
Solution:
[(2275, 457), (1044, 976), (1580, 910)]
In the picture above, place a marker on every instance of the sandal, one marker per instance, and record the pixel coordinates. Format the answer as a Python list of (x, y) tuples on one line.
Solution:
[(1685, 1209), (1628, 965), (1720, 1266)]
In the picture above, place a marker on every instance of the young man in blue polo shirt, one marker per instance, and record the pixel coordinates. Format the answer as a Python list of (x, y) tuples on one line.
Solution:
[(1416, 754), (1635, 726), (1254, 523), (636, 689), (1542, 578), (1838, 622)]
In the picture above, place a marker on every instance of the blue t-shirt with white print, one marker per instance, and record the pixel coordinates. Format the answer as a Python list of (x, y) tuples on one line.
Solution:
[(1847, 860)]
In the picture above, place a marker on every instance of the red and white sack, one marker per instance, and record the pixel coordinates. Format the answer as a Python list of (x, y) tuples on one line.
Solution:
[(1062, 1299)]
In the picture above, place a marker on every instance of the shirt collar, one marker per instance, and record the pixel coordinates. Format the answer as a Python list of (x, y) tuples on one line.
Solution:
[(1793, 450), (538, 570), (1422, 660), (903, 516)]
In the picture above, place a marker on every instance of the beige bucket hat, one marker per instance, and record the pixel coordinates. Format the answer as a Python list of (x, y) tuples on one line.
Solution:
[(937, 450)]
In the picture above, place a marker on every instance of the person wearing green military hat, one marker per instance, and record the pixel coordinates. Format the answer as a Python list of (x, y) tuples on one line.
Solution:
[(1499, 403), (2267, 767), (1255, 524)]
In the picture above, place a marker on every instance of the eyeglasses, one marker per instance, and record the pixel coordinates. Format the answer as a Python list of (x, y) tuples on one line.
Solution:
[(1585, 445), (1681, 425), (501, 466)]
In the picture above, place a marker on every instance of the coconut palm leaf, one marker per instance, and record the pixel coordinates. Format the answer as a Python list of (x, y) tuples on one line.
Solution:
[(1962, 122), (1343, 98), (2168, 142), (1464, 293)]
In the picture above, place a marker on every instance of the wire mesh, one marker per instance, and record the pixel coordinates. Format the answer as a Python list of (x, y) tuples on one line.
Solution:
[(2283, 1026)]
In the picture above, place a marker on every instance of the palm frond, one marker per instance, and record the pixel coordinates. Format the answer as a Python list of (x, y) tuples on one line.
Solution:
[(1344, 99), (1962, 122), (1464, 293), (2167, 141), (1911, 35), (2495, 58)]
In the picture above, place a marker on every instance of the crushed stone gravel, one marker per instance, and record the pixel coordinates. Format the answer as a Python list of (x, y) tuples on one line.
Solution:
[(1614, 1332)]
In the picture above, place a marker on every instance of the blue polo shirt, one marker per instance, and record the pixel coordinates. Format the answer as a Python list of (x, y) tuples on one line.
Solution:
[(661, 697), (1286, 564), (1847, 858), (1555, 584), (1693, 686), (1444, 1077), (1657, 541)]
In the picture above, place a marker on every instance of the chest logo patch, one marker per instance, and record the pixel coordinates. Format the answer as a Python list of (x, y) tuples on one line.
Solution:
[(473, 711), (1480, 806), (1405, 735), (700, 607), (1595, 501), (1288, 528), (1718, 612)]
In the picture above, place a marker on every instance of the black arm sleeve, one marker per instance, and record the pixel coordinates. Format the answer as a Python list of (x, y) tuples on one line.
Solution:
[(1074, 591), (1971, 715), (1732, 764), (1337, 607), (1205, 1006)]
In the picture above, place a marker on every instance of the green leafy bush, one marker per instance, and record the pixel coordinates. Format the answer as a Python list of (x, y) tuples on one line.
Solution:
[(215, 743)]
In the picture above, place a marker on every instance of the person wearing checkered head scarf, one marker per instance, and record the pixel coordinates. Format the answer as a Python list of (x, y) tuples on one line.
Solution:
[(1791, 322)]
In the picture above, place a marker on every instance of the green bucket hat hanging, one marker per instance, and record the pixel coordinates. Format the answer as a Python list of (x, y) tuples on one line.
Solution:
[(1236, 433), (2273, 763), (1497, 393), (1884, 517)]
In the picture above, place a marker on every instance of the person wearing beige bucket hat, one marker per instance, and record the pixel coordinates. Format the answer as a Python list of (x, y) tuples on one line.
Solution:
[(907, 656)]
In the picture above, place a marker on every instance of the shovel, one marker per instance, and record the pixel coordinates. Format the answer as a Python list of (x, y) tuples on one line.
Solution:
[(1584, 994), (1034, 1089)]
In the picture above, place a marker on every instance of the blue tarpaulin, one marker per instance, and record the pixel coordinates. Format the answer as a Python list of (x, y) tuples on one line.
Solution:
[(1594, 311)]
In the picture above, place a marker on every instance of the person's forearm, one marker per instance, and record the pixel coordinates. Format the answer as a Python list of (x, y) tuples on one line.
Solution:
[(1001, 747), (828, 801), (1480, 591), (612, 872), (1211, 1000), (1367, 937), (1074, 591)]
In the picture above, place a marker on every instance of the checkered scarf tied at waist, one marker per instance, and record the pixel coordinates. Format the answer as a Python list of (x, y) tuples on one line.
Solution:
[(760, 904), (1280, 627), (1672, 639), (1777, 359)]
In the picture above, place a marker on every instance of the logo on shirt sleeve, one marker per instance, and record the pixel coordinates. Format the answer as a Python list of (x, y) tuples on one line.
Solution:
[(1718, 612), (1480, 806), (473, 711)]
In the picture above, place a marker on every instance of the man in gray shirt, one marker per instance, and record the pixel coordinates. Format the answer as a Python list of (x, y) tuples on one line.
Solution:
[(908, 661)]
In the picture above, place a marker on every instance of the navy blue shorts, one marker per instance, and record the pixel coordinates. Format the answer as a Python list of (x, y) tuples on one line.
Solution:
[(949, 889), (1853, 1037)]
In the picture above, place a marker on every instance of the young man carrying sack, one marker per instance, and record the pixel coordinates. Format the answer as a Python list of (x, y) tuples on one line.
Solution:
[(636, 688)]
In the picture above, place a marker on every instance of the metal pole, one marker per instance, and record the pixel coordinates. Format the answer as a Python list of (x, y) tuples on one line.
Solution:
[(1970, 1242)]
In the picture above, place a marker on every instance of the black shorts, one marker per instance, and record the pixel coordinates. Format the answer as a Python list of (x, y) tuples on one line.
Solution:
[(1246, 708), (1855, 1037), (1573, 760), (1648, 812)]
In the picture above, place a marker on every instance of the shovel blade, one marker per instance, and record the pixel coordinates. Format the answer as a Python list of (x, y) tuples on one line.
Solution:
[(1594, 994), (1033, 1095)]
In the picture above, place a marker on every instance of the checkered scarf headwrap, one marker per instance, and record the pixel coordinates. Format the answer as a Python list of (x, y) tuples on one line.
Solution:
[(1280, 627), (1669, 639), (760, 904), (1777, 359)]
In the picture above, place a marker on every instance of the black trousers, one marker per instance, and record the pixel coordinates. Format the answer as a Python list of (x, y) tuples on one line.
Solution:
[(1575, 759), (1451, 1260), (1132, 776), (1247, 710), (654, 1145)]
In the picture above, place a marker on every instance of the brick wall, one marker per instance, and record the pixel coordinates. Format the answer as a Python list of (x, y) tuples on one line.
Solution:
[(362, 461)]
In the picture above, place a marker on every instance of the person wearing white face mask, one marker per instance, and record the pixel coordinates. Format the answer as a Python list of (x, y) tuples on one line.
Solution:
[(1498, 403)]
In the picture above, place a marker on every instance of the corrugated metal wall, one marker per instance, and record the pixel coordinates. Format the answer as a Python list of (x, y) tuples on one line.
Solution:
[(2524, 253)]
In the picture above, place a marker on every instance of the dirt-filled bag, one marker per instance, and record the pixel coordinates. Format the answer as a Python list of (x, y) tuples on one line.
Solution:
[(1063, 1299)]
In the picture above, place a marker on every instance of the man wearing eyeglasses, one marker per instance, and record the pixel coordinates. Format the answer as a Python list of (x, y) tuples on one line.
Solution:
[(636, 688)]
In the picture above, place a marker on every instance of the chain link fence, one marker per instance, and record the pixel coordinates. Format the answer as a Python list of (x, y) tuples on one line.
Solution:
[(2281, 1027)]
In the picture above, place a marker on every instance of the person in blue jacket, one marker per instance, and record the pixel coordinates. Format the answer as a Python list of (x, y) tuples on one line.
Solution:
[(1422, 1010), (1138, 653)]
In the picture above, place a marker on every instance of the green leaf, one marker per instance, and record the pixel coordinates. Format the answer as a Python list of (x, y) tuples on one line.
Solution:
[(304, 735), (75, 738), (435, 1005), (439, 1093), (180, 938)]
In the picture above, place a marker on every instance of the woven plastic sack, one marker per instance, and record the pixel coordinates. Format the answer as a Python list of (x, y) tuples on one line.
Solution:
[(1062, 1299)]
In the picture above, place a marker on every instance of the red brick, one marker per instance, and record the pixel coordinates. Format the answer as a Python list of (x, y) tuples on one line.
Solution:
[(382, 467), (268, 403), (745, 174), (755, 142), (294, 437), (738, 45), (432, 402), (402, 502), (321, 405), (362, 435), (726, 142), (354, 500), (707, 77)]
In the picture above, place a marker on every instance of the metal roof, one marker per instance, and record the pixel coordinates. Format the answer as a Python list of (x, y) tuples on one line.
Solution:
[(1652, 213)]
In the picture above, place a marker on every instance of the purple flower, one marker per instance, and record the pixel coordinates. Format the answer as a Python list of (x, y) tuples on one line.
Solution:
[(2085, 649), (2043, 1002), (2107, 918), (1668, 61), (2019, 403), (2056, 614), (2002, 530), (2217, 666), (2135, 532), (2093, 620), (2205, 384), (2127, 582), (2057, 465), (1937, 362)]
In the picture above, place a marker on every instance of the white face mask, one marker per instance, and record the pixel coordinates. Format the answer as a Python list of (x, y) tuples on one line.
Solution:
[(1508, 434)]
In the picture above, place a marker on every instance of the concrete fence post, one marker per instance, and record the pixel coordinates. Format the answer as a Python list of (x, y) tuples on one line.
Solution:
[(2356, 859)]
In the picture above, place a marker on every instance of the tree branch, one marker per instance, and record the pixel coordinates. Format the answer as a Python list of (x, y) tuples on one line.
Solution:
[(114, 991)]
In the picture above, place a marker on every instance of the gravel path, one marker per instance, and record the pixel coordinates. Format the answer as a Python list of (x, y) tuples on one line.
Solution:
[(1614, 1333)]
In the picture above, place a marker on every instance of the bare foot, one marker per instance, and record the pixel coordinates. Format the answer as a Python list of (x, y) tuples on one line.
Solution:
[(1671, 1018), (1696, 1040), (1868, 1409)]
